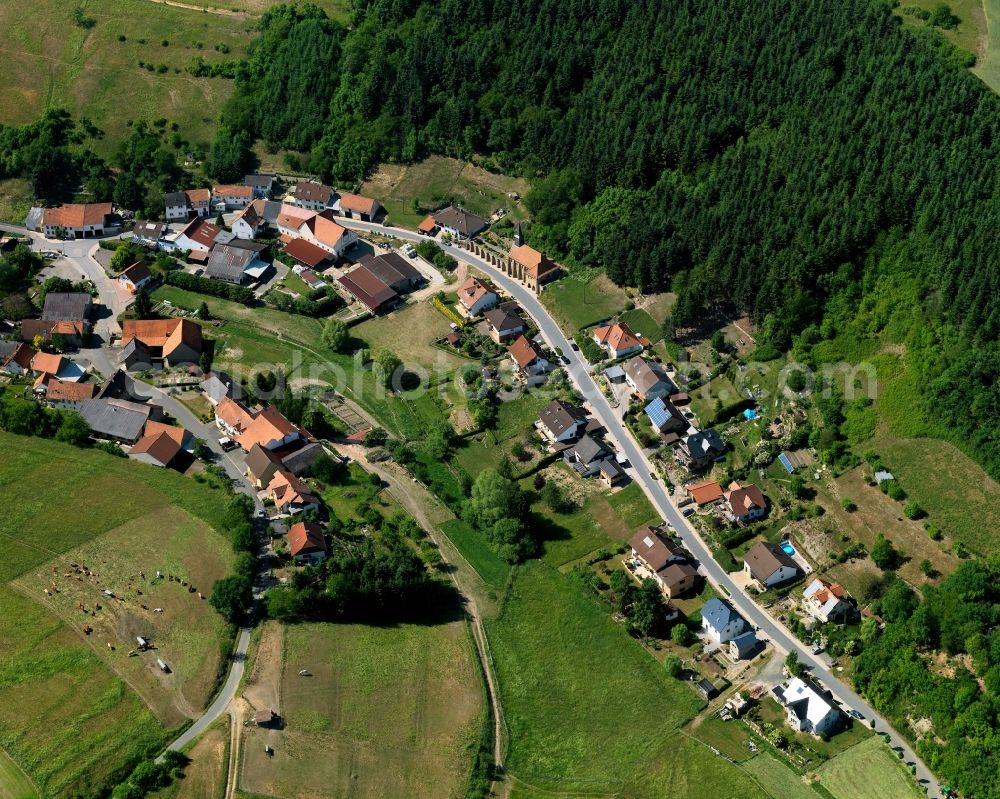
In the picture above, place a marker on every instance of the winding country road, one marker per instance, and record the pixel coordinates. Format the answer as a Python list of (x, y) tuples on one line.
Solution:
[(643, 472)]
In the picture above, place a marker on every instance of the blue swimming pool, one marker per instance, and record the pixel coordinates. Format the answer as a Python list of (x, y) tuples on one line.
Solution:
[(788, 548)]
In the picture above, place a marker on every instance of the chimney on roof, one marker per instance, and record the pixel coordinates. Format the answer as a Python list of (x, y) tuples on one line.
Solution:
[(518, 235)]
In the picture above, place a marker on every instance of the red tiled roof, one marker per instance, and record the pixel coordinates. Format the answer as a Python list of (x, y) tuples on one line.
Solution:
[(233, 414), (538, 265), (619, 337), (306, 537), (367, 289), (428, 225), (325, 230), (68, 391), (266, 426), (743, 499), (47, 363), (472, 291), (22, 355), (355, 202), (524, 352), (162, 447), (198, 197), (704, 492), (307, 253), (232, 190), (165, 333), (201, 231), (76, 215), (292, 216)]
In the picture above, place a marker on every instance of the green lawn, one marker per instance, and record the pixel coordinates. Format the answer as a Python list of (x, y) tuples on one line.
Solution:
[(13, 782), (477, 550), (583, 298), (578, 721), (643, 324), (729, 737), (779, 779), (869, 770), (988, 68)]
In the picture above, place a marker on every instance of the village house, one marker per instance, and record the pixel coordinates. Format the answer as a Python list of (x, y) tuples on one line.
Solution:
[(250, 222), (16, 357), (260, 466), (68, 395), (586, 456), (746, 503), (311, 196), (270, 429), (664, 417), (705, 492), (354, 206), (71, 333), (67, 307), (369, 290), (231, 197), (232, 417), (699, 449), (475, 296), (291, 496), (322, 231), (160, 444), (48, 365), (743, 645), (118, 419), (807, 708), (79, 221), (290, 219), (677, 579), (262, 185), (769, 565), (148, 342), (178, 206), (394, 270), (307, 543), (201, 236), (503, 325), (307, 254), (149, 234), (237, 262), (528, 358), (648, 379), (531, 267), (217, 386), (826, 601), (618, 340), (134, 277), (720, 622), (459, 224), (560, 422), (428, 226), (654, 551)]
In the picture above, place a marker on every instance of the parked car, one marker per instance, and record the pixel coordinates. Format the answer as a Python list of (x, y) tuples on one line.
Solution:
[(855, 714), (574, 346), (687, 511)]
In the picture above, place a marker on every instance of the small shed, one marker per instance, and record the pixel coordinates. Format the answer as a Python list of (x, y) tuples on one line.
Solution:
[(266, 718), (615, 374), (705, 688), (883, 475)]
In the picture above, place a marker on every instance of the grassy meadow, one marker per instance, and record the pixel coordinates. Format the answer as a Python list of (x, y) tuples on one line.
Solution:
[(72, 710), (869, 770), (583, 298)]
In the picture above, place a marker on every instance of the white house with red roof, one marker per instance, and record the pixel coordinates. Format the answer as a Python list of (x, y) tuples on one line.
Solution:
[(618, 340)]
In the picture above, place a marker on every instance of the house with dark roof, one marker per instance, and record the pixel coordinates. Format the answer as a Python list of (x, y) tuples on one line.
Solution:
[(177, 206), (746, 503), (300, 461), (676, 579), (120, 386), (699, 449), (261, 465), (586, 456), (648, 379), (743, 645), (72, 332), (67, 307), (116, 419), (232, 263), (369, 290), (664, 417), (664, 559), (134, 277), (148, 342), (504, 325), (16, 357), (560, 422), (720, 622), (149, 234), (769, 565), (311, 196), (307, 543), (262, 185), (458, 223), (250, 221), (394, 270), (217, 386)]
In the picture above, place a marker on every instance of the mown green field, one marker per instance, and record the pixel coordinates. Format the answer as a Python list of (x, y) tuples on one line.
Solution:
[(387, 711), (600, 717), (869, 770), (582, 299), (779, 779), (14, 784)]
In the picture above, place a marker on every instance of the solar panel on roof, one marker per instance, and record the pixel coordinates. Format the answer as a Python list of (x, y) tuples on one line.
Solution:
[(786, 463), (657, 412)]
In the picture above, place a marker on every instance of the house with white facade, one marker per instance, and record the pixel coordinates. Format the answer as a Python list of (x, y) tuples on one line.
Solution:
[(807, 708), (720, 622)]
